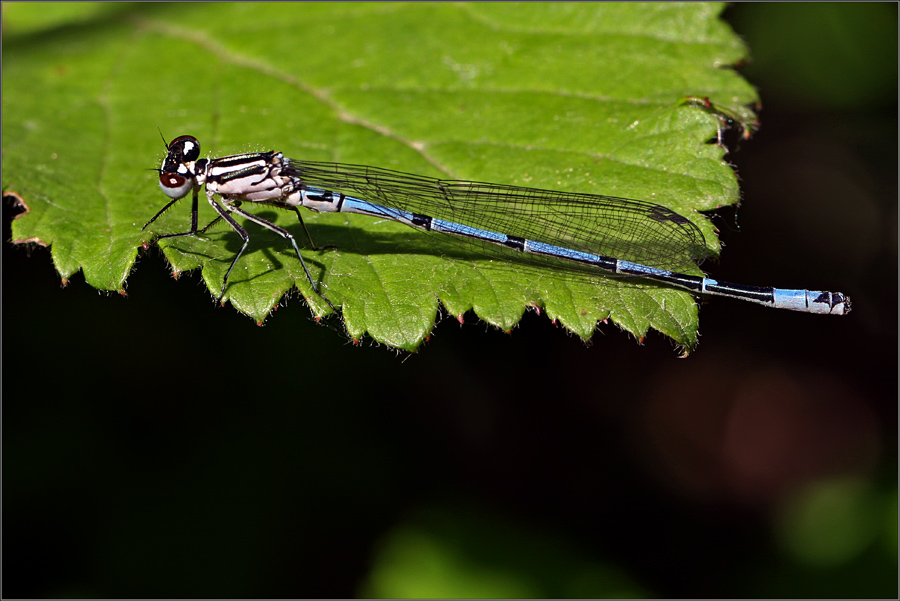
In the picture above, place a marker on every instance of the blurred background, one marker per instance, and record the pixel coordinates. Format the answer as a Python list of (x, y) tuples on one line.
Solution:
[(288, 462)]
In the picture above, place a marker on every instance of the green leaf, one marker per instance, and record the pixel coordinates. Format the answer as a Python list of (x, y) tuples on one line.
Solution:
[(576, 97)]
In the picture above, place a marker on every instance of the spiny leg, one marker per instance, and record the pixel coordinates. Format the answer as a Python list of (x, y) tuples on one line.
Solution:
[(193, 231), (283, 205), (193, 218), (308, 237), (284, 234), (223, 214)]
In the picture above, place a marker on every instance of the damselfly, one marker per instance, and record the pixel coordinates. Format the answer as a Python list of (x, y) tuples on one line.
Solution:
[(608, 235)]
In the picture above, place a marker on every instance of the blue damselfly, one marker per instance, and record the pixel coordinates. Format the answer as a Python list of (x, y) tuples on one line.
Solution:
[(613, 236)]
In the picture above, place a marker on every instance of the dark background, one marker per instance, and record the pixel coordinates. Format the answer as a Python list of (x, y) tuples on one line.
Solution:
[(288, 462)]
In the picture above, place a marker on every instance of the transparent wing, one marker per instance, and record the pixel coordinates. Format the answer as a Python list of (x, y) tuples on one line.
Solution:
[(631, 230)]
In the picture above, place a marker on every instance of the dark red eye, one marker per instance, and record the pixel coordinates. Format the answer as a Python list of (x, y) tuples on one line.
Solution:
[(174, 185)]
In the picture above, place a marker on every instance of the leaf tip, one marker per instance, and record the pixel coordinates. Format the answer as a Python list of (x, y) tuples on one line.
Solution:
[(17, 203), (32, 240)]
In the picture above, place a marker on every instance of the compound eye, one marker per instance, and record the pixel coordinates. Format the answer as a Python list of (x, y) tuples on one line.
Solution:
[(185, 148), (174, 186)]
